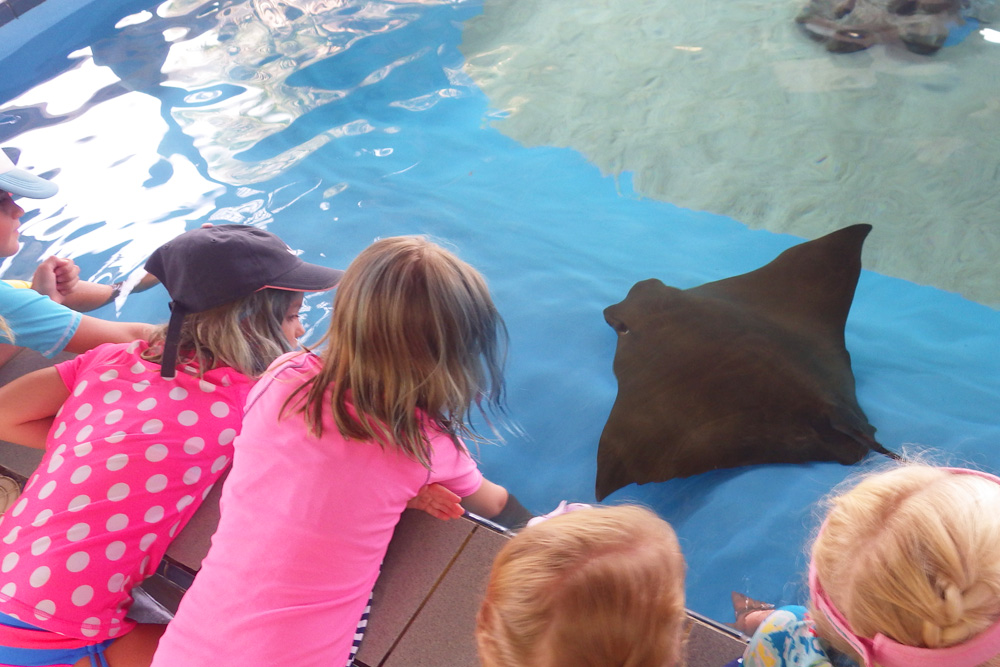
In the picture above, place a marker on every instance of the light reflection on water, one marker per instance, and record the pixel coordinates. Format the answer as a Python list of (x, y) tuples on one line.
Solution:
[(332, 123)]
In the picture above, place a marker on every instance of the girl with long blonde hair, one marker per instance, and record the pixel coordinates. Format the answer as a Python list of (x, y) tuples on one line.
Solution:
[(340, 441)]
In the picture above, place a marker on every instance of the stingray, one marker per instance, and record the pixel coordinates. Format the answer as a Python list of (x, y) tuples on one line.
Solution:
[(747, 370), (845, 26)]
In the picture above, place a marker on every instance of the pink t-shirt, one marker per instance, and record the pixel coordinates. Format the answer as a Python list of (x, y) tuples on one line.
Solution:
[(128, 460), (305, 525)]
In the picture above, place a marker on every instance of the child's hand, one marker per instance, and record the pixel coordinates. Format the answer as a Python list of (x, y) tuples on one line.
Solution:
[(67, 275), (437, 501), (56, 278)]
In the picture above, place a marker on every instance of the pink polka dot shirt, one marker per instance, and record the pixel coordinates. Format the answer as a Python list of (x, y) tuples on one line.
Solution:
[(128, 460)]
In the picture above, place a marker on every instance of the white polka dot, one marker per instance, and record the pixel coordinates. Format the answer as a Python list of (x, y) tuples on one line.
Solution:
[(114, 629), (206, 387), (227, 436), (147, 541), (116, 582), (117, 522), (133, 346), (137, 368), (78, 532), (9, 589), (112, 396), (59, 430), (187, 418), (118, 492), (61, 449), (107, 376), (42, 517), (156, 483), (47, 490), (226, 381), (152, 427), (220, 463), (90, 627), (194, 445), (208, 490), (115, 438), (220, 409), (141, 386), (12, 535), (55, 462), (80, 475), (9, 562), (19, 507), (178, 393), (192, 475), (143, 565), (154, 514), (78, 503), (80, 388), (83, 450), (78, 562), (147, 405), (82, 595), (173, 529), (84, 411), (117, 461), (115, 550), (44, 610), (40, 577), (41, 545), (184, 502), (156, 453), (113, 417), (84, 433)]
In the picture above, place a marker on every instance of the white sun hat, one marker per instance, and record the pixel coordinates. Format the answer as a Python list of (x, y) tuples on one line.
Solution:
[(20, 182)]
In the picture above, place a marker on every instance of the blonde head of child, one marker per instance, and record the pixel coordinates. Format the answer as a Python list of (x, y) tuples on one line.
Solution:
[(598, 587), (905, 571), (414, 335)]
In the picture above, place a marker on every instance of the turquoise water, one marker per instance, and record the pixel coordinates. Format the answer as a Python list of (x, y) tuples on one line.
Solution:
[(332, 124)]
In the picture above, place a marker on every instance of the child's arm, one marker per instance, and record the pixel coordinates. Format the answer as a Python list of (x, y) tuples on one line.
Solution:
[(93, 332), (28, 406), (488, 501)]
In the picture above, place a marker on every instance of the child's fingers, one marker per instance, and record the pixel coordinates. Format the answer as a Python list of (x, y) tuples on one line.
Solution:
[(67, 274), (437, 501)]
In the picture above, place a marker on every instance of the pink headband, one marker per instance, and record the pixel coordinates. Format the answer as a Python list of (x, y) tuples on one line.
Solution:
[(890, 653)]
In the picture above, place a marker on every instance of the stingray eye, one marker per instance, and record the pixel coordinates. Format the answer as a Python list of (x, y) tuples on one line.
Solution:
[(617, 324)]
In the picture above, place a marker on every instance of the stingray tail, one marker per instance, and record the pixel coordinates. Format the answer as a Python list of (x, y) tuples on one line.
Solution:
[(879, 449), (875, 446)]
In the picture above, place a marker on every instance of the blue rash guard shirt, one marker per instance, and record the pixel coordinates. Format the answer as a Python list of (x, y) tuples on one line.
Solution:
[(37, 321)]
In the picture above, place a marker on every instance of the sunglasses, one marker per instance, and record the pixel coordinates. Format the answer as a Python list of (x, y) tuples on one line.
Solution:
[(887, 652)]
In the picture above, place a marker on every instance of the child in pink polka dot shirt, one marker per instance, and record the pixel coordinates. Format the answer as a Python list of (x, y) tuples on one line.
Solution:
[(134, 437)]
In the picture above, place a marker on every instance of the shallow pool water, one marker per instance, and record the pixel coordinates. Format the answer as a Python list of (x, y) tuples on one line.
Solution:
[(333, 123)]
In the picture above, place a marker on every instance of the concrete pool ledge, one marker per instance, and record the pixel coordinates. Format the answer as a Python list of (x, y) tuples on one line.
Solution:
[(425, 601)]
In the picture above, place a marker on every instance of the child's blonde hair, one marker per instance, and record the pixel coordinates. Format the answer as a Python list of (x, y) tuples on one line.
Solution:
[(413, 328), (245, 334), (913, 554), (5, 332), (597, 587)]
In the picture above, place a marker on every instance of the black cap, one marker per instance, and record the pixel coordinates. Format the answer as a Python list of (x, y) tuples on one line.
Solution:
[(212, 266)]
